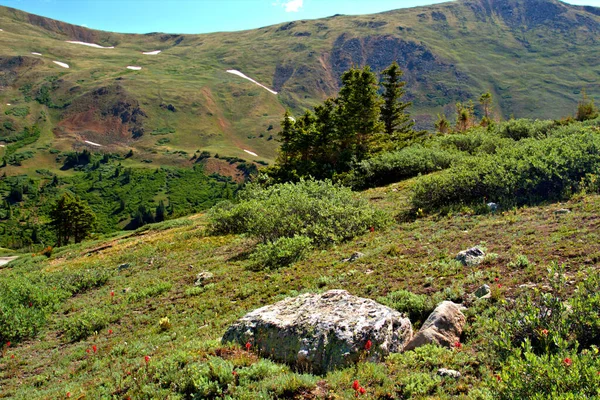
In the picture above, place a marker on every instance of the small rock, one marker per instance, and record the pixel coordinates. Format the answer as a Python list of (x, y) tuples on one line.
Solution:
[(450, 373), (562, 211), (443, 327), (483, 292), (203, 277), (493, 207), (124, 266), (470, 257), (354, 257)]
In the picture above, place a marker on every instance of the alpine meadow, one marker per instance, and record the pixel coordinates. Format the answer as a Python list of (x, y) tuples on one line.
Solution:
[(403, 205)]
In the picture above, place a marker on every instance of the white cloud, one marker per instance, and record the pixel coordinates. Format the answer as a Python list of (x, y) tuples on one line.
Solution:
[(293, 5), (289, 5)]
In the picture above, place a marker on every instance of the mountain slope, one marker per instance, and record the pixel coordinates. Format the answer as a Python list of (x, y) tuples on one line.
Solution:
[(533, 55)]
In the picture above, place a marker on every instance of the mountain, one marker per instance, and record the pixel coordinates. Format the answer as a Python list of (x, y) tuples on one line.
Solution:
[(534, 56)]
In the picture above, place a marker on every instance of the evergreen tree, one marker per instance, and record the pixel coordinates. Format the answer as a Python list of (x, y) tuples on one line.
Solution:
[(161, 212), (586, 109), (486, 104), (359, 110), (464, 116), (71, 217), (393, 111), (442, 125)]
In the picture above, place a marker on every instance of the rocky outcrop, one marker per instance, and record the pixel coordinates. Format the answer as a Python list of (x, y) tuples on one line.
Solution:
[(443, 327), (321, 332)]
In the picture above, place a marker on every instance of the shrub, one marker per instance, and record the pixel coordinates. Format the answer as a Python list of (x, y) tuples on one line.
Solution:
[(395, 166), (82, 325), (324, 212), (280, 253), (418, 307), (150, 291), (532, 171), (518, 129)]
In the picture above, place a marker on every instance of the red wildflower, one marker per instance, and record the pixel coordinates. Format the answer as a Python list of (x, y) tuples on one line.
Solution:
[(498, 377), (87, 351), (110, 331), (368, 345), (94, 348), (248, 345), (12, 356), (147, 359), (7, 344), (234, 373), (568, 361), (458, 345), (30, 304), (545, 332), (362, 390), (499, 286), (372, 229), (496, 279), (355, 385), (68, 394), (112, 293)]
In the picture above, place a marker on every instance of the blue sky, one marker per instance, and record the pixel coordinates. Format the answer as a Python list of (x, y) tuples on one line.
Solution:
[(201, 16)]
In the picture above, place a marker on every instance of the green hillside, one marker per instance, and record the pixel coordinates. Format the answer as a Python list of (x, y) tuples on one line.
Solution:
[(534, 56)]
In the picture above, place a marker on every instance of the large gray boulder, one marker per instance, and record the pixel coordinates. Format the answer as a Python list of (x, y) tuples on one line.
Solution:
[(320, 332), (443, 327)]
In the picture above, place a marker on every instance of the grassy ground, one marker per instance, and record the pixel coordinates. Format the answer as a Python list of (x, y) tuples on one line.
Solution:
[(108, 360)]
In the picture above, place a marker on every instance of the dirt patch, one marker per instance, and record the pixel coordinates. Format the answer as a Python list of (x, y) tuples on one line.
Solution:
[(222, 167)]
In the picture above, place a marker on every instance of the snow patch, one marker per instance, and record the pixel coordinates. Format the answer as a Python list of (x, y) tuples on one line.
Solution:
[(36, 54), (251, 153), (90, 44), (134, 68), (151, 53), (92, 143), (238, 73), (62, 64)]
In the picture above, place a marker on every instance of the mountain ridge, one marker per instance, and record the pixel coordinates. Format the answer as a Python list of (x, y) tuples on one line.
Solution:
[(534, 56)]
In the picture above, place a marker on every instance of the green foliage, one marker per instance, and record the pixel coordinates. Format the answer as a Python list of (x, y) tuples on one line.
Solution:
[(18, 111), (149, 291), (417, 307), (84, 324), (518, 129), (280, 253), (395, 166), (71, 217), (586, 109), (344, 130), (324, 212), (531, 171)]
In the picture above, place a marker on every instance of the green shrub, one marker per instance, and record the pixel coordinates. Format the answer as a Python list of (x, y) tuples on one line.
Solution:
[(530, 172), (280, 253), (395, 166), (82, 325), (416, 306), (150, 291), (518, 129), (324, 212)]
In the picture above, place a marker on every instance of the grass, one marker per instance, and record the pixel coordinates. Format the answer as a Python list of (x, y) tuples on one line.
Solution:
[(164, 260)]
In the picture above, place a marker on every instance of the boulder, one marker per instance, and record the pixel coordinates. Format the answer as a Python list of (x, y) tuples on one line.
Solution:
[(470, 257), (443, 327), (493, 207), (318, 333)]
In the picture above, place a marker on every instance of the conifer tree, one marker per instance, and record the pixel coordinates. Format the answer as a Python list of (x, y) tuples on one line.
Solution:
[(71, 217), (393, 111), (161, 211)]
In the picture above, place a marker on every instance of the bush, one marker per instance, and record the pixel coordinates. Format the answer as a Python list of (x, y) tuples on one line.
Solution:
[(406, 163), (82, 325), (530, 172), (324, 212), (418, 307), (280, 253), (518, 129)]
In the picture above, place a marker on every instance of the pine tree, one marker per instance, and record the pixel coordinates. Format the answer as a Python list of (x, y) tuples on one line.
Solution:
[(442, 125), (393, 111), (359, 110), (586, 109), (71, 217), (160, 212)]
